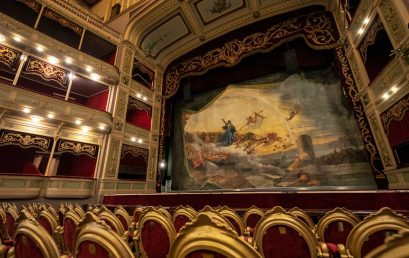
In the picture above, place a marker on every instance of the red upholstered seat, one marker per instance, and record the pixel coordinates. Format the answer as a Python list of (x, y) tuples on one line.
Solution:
[(69, 230), (25, 247), (88, 249), (45, 224), (205, 254), (155, 239), (337, 232), (252, 220), (11, 221), (284, 242), (374, 240), (180, 221)]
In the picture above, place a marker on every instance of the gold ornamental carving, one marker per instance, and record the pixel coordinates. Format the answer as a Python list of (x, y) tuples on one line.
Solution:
[(359, 111), (24, 140), (393, 21), (316, 28), (77, 147), (63, 21), (395, 113), (113, 157), (7, 56), (134, 151), (387, 160), (32, 4), (46, 71), (134, 104)]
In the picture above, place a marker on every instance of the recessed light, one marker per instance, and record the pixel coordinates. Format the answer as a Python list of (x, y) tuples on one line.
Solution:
[(53, 60), (50, 115), (17, 38), (36, 119), (140, 140), (366, 21), (102, 127), (68, 60), (360, 31), (394, 89), (88, 68), (138, 95), (2, 38), (95, 76), (162, 164), (78, 122), (145, 98), (385, 96), (26, 110), (85, 129), (133, 139), (40, 48)]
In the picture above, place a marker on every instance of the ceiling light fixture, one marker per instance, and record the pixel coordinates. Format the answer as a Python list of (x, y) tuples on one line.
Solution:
[(366, 21), (68, 60), (17, 38), (138, 95), (2, 38), (133, 139), (95, 76), (36, 119), (102, 127), (88, 68), (85, 129), (40, 48), (26, 110), (53, 60), (145, 98), (50, 115), (78, 122), (140, 140), (385, 96)]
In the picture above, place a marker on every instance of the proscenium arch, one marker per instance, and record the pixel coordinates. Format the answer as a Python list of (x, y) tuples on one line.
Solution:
[(319, 31)]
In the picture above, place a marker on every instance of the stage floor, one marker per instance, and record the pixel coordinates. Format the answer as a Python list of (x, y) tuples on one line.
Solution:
[(310, 200)]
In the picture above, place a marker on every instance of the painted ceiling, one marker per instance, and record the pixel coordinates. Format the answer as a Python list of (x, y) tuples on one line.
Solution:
[(166, 29)]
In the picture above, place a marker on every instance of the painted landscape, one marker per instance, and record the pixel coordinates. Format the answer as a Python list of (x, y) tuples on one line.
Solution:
[(298, 132)]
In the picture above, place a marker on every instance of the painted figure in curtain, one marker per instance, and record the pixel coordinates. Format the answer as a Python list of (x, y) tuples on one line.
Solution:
[(298, 132)]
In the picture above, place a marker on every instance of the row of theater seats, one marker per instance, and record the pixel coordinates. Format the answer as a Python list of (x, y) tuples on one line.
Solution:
[(38, 230)]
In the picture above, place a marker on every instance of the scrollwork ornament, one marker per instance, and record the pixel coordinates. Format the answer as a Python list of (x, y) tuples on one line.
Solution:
[(395, 113), (24, 140), (77, 148), (359, 112)]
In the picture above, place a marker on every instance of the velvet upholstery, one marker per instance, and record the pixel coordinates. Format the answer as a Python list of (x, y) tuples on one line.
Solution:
[(88, 249), (179, 222), (10, 224), (204, 254), (69, 230), (155, 239), (284, 242), (45, 224), (337, 235), (252, 220), (25, 247), (374, 240)]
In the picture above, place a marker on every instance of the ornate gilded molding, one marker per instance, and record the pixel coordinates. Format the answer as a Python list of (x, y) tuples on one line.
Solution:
[(316, 28), (134, 151), (145, 70), (8, 56), (134, 104), (32, 4), (77, 148), (370, 38), (114, 156), (63, 21), (120, 104), (46, 71), (393, 21), (359, 111), (25, 140), (395, 113), (387, 160)]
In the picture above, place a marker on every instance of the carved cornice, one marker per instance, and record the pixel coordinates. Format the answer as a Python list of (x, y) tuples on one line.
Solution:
[(25, 140), (134, 151), (370, 38), (395, 113), (8, 56), (46, 71), (32, 4), (77, 148), (316, 28)]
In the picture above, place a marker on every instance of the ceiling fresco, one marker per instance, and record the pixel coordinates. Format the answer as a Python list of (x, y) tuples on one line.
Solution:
[(174, 27)]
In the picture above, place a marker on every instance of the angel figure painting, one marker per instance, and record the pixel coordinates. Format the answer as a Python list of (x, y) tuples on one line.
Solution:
[(269, 133)]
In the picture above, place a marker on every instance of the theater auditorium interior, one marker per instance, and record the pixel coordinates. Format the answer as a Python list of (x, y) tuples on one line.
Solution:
[(204, 128)]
